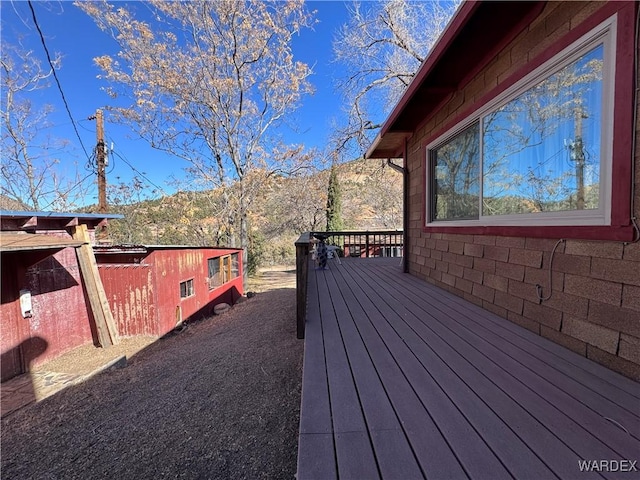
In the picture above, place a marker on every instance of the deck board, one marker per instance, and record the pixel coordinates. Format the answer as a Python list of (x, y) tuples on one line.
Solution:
[(595, 402), (316, 442), (538, 440), (596, 371), (382, 422), (559, 366), (565, 405), (413, 382), (450, 373), (529, 364), (427, 438)]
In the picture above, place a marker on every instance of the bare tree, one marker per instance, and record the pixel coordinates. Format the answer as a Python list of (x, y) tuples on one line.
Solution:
[(31, 171), (381, 48), (209, 82)]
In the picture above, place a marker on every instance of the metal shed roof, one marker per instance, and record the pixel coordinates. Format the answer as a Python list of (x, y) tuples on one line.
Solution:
[(59, 215), (113, 249), (17, 220)]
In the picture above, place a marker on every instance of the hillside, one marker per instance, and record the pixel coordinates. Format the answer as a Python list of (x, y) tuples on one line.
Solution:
[(282, 208)]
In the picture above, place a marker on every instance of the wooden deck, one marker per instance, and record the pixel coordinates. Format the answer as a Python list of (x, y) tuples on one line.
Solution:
[(404, 380)]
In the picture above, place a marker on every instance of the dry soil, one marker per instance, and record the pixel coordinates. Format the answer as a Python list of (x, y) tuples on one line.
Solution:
[(217, 400)]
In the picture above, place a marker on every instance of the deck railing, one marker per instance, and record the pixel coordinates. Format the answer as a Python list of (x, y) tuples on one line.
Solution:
[(359, 244)]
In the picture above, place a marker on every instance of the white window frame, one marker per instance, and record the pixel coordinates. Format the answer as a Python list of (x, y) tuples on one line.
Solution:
[(605, 34)]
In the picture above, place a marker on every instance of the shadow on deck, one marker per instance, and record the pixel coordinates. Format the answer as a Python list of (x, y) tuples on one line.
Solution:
[(405, 380)]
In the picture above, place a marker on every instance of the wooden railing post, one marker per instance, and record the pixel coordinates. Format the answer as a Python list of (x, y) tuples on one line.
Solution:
[(302, 271), (366, 243)]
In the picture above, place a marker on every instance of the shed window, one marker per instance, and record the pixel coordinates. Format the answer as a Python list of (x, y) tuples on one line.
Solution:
[(538, 154), (215, 276), (186, 288), (223, 269), (235, 265)]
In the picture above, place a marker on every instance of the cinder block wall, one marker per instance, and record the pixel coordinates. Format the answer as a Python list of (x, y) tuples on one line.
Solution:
[(594, 308)]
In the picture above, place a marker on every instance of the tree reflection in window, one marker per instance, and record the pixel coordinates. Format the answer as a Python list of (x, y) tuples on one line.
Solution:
[(456, 170), (541, 150)]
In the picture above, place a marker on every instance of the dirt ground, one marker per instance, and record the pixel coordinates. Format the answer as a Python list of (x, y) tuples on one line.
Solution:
[(217, 400), (88, 358)]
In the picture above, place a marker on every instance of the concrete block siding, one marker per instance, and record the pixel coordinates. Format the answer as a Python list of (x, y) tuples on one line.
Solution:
[(595, 300), (594, 307)]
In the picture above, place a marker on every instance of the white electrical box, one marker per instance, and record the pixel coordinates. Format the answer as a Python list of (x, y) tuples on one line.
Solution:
[(25, 304)]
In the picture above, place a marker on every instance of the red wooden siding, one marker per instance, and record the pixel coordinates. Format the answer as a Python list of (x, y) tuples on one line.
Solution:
[(131, 295), (13, 325), (60, 320), (60, 311), (143, 288)]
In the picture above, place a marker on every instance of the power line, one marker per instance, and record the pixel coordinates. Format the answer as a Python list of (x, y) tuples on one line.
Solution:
[(78, 183), (55, 76), (140, 173)]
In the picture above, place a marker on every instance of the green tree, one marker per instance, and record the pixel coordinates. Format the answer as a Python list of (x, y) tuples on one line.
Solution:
[(334, 203), (256, 251)]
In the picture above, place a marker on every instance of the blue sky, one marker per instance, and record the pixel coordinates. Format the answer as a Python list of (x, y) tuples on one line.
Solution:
[(70, 32)]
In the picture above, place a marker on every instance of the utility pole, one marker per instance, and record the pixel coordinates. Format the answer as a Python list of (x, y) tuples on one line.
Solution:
[(101, 156), (577, 155)]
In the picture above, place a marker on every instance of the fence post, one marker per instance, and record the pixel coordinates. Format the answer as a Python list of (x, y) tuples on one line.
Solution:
[(366, 242), (302, 271)]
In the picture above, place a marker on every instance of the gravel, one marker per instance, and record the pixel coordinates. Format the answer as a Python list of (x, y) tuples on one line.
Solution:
[(218, 400)]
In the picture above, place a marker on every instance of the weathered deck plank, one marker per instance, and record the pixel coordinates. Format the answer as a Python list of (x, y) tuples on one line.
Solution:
[(414, 382)]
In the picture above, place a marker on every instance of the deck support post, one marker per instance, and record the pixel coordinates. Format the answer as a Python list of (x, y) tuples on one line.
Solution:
[(302, 271)]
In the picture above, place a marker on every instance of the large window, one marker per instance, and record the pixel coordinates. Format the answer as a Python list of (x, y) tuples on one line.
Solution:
[(215, 277), (540, 153), (223, 269)]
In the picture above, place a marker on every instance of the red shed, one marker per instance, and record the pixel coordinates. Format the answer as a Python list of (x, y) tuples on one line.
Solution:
[(44, 310), (153, 288)]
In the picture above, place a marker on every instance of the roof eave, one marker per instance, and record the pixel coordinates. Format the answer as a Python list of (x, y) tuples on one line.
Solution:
[(389, 146), (457, 23), (477, 31)]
